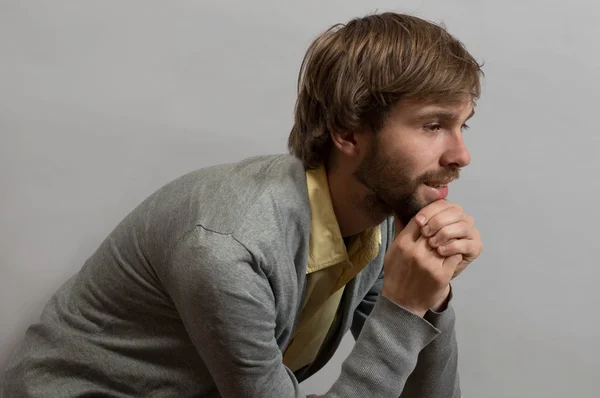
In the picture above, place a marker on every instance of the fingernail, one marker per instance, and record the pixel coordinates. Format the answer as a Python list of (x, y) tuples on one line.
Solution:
[(442, 249), (420, 219), (433, 241)]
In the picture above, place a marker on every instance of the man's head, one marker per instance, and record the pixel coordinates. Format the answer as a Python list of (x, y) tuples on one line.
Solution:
[(385, 97)]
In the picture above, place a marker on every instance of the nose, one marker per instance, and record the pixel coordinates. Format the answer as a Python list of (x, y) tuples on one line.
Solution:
[(456, 155)]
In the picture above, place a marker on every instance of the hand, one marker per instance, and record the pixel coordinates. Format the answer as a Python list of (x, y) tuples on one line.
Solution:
[(450, 231), (416, 276)]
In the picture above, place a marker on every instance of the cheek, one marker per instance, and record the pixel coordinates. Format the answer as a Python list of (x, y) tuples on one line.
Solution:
[(409, 158), (412, 164), (401, 163), (423, 159)]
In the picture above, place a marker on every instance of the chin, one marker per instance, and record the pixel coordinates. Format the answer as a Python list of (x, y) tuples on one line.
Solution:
[(403, 207), (409, 208)]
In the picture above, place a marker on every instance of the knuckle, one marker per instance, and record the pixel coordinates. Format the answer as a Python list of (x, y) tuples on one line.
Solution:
[(402, 243), (443, 235), (471, 245), (465, 227), (452, 246), (433, 225), (415, 256)]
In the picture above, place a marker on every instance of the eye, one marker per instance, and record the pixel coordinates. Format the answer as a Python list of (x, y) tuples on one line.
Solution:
[(432, 128), (465, 127)]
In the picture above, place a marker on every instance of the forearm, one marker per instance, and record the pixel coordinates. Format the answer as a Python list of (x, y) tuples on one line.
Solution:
[(385, 353), (436, 373)]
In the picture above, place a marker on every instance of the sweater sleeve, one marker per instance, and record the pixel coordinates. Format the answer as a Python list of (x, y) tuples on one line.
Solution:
[(228, 308), (435, 374)]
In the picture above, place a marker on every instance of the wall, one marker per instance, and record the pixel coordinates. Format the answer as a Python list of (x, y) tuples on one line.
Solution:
[(103, 102)]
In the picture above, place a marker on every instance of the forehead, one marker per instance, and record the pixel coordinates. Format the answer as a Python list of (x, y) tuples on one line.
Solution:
[(417, 110)]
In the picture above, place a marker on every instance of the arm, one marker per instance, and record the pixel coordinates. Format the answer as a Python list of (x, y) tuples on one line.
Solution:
[(228, 308), (435, 374)]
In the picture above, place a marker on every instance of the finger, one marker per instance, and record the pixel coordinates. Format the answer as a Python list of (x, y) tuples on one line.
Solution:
[(468, 248), (411, 230), (458, 270), (436, 246), (447, 216), (425, 249), (458, 230), (427, 212), (450, 264)]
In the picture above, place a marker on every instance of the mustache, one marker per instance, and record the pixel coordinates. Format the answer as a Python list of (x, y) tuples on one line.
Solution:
[(445, 174)]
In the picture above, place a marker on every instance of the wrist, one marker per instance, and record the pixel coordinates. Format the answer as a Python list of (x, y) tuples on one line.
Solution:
[(404, 304), (442, 305)]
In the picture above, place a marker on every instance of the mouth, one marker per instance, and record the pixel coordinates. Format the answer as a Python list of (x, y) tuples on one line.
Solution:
[(437, 189), (438, 184)]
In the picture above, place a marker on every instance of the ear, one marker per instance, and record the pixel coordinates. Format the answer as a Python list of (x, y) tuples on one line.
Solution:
[(348, 143)]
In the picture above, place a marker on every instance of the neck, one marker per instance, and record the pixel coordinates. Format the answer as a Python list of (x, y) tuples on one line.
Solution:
[(347, 197)]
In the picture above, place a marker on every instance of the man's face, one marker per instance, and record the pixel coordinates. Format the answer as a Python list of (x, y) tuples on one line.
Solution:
[(414, 157)]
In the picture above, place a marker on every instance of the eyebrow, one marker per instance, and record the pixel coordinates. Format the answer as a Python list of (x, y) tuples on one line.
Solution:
[(442, 115)]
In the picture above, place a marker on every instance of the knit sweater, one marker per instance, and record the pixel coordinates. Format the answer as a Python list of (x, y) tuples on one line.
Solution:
[(197, 291)]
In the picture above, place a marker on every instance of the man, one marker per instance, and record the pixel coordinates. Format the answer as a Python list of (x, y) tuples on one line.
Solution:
[(240, 280)]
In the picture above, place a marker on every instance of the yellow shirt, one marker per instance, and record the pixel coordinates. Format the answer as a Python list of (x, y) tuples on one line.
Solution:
[(330, 267)]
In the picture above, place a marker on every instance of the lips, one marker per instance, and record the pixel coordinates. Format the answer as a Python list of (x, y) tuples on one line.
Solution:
[(436, 189), (438, 184)]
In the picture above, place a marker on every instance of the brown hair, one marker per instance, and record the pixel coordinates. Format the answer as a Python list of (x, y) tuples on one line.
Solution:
[(353, 74)]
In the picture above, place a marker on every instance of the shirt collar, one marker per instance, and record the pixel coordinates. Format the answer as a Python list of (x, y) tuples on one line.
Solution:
[(326, 244)]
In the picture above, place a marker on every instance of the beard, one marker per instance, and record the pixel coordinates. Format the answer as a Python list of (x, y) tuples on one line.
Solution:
[(392, 191)]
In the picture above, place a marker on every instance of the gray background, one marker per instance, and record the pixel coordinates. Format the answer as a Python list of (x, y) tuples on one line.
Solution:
[(103, 102)]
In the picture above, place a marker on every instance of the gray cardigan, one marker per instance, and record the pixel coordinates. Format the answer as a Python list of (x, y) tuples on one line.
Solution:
[(196, 294)]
